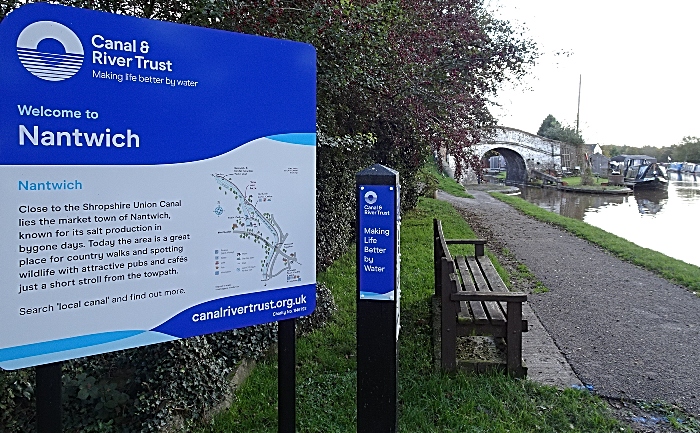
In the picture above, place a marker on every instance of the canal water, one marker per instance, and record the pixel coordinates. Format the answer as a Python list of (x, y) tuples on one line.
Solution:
[(664, 221)]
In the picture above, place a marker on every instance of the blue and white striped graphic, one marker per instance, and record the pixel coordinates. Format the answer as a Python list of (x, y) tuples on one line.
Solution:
[(50, 66)]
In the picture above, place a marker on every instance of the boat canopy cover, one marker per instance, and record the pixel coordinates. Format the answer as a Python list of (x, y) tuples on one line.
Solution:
[(650, 171)]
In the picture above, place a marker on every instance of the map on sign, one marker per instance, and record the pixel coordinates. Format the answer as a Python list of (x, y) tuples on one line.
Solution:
[(250, 225)]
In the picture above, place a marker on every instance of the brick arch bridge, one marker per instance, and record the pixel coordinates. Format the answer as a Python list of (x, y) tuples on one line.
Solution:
[(524, 152)]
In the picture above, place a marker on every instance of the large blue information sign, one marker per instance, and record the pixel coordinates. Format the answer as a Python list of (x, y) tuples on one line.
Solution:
[(157, 182)]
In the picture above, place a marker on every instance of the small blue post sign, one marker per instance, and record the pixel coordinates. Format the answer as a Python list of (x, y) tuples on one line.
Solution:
[(378, 295), (157, 182), (377, 224)]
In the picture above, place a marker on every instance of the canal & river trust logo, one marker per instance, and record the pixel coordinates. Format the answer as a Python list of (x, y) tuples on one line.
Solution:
[(50, 66), (371, 197)]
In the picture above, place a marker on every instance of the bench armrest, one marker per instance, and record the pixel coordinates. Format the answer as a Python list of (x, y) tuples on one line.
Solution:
[(489, 296), (478, 244), (466, 241)]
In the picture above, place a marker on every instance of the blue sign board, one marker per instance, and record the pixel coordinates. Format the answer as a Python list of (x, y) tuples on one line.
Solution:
[(158, 182), (378, 242)]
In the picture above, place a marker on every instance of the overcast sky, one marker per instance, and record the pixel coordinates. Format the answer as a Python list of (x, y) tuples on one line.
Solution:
[(640, 68)]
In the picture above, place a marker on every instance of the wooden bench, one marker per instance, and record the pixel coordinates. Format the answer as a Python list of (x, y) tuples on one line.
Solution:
[(475, 301)]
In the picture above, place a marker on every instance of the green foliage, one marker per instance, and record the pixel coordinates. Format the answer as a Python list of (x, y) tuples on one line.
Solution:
[(326, 308), (548, 123), (552, 129), (182, 378), (565, 134), (587, 178), (432, 180), (678, 152), (17, 400), (680, 420), (673, 270), (95, 394), (338, 159), (688, 150), (502, 272), (661, 154), (540, 288), (430, 401)]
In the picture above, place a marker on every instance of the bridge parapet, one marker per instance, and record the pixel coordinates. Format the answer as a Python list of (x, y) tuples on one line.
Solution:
[(534, 143)]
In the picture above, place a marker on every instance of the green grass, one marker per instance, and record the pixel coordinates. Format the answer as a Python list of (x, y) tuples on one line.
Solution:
[(575, 182), (669, 268), (500, 269), (445, 183), (524, 273), (540, 288), (430, 401), (676, 416)]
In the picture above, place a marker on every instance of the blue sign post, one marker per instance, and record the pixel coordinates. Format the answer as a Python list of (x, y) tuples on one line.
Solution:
[(378, 296), (158, 182)]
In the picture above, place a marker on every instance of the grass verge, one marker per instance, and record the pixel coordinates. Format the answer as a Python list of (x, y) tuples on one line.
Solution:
[(445, 183), (672, 269), (430, 401)]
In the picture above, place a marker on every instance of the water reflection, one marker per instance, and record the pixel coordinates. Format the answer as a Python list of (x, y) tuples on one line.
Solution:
[(687, 186), (569, 204), (650, 201), (649, 218)]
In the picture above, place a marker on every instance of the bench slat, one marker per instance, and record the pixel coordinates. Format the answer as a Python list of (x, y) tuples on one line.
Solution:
[(497, 284), (463, 307), (492, 308), (488, 296), (468, 286)]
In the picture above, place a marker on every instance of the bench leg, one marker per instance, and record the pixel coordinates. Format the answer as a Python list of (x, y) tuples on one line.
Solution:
[(514, 341), (448, 322), (437, 262)]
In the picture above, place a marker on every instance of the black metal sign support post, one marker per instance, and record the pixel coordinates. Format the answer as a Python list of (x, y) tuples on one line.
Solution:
[(378, 295), (286, 376), (48, 398)]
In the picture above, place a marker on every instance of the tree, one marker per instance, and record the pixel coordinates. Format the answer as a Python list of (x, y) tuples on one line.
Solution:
[(688, 150), (547, 123), (552, 129), (660, 153)]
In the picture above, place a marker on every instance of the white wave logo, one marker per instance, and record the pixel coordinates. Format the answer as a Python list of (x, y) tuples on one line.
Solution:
[(371, 197), (50, 66)]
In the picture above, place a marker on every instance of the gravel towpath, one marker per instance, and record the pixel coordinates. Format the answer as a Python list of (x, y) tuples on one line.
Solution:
[(624, 330)]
